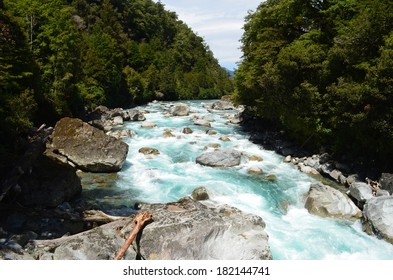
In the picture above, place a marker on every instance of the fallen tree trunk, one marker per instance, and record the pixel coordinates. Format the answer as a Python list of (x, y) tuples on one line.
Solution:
[(140, 221)]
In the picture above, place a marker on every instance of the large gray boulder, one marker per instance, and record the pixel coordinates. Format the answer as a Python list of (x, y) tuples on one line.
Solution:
[(361, 191), (180, 109), (191, 230), (135, 115), (186, 229), (220, 158), (223, 105), (378, 217), (325, 201), (86, 147)]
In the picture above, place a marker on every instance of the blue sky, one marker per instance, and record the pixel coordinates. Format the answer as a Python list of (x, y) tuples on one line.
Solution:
[(219, 22)]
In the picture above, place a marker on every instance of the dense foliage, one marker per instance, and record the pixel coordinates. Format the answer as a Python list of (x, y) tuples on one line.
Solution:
[(323, 70), (61, 57)]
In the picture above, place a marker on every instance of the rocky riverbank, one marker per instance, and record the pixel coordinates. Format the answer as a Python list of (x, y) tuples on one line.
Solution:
[(353, 194)]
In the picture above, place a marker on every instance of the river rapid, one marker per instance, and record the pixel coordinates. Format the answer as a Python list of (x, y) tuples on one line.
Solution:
[(277, 195)]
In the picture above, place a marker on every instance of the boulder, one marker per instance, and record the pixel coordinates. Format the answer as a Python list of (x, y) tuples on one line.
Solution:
[(118, 120), (186, 230), (136, 116), (86, 147), (147, 124), (382, 193), (288, 159), (221, 158), (180, 109), (211, 132), (49, 184), (122, 133), (149, 151), (325, 201), (200, 194), (386, 182), (187, 130), (223, 105), (307, 169), (378, 213), (361, 191), (271, 178), (168, 133), (202, 122), (212, 145), (104, 118), (224, 139), (255, 170), (191, 230), (335, 175), (254, 157)]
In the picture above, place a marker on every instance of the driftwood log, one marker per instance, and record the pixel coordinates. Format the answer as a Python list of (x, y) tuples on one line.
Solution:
[(140, 221)]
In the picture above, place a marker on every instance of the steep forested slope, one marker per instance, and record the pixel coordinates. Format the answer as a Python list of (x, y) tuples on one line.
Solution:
[(62, 57), (323, 70)]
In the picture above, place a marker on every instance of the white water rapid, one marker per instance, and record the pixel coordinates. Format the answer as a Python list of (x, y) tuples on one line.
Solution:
[(173, 174)]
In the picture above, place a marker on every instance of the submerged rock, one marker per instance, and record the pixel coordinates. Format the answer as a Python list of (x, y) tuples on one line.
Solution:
[(86, 147), (149, 151), (168, 134), (325, 201), (255, 170), (220, 158), (187, 130), (147, 124), (378, 213), (224, 139)]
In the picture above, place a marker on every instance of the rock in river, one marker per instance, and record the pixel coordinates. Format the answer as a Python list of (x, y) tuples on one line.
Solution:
[(378, 213), (220, 158), (86, 147), (180, 109), (325, 201)]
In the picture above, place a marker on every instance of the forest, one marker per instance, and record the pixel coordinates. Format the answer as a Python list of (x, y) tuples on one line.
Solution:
[(322, 70), (65, 57)]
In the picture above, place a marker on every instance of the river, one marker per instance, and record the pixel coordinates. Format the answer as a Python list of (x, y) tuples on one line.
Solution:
[(279, 199)]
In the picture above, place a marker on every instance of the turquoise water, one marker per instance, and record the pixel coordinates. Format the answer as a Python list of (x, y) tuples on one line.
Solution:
[(173, 174)]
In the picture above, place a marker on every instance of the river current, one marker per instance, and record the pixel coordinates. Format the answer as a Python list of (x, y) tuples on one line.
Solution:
[(277, 195)]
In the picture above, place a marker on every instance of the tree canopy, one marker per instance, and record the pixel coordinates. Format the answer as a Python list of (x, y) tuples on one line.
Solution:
[(323, 70)]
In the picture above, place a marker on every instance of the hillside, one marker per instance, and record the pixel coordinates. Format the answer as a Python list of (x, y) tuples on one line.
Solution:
[(63, 57)]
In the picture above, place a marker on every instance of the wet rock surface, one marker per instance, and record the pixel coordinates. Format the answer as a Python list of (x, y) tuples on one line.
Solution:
[(86, 147)]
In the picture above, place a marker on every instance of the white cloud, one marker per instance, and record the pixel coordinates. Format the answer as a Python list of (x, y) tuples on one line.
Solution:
[(219, 22)]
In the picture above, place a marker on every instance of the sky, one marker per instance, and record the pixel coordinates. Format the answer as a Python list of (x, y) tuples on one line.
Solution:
[(218, 22)]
